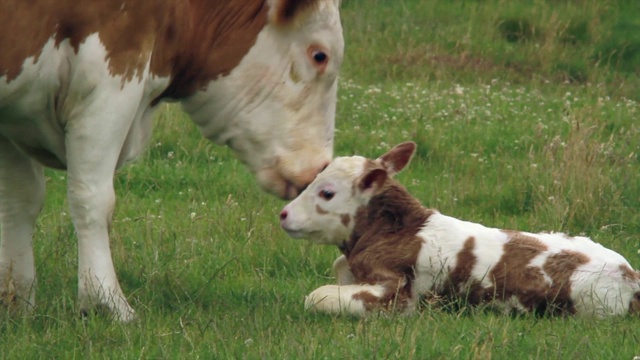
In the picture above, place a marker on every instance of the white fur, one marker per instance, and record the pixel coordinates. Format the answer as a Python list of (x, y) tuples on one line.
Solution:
[(303, 221)]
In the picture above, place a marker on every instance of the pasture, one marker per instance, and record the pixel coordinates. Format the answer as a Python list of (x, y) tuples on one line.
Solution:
[(526, 115)]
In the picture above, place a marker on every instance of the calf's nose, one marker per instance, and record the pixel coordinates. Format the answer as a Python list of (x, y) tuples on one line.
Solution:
[(283, 215)]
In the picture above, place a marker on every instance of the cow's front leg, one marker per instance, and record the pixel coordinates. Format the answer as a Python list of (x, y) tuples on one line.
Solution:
[(95, 142), (22, 193), (361, 299), (91, 201), (355, 300), (343, 273)]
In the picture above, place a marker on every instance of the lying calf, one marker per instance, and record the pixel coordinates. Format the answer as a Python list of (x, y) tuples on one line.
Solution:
[(396, 251)]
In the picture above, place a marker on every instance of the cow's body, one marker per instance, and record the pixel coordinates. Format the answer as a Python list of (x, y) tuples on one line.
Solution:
[(79, 83), (396, 251)]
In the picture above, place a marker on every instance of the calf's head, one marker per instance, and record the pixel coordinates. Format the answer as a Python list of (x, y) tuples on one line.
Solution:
[(276, 108), (324, 213)]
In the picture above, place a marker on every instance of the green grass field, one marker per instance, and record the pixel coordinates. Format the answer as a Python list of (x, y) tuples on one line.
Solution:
[(526, 117)]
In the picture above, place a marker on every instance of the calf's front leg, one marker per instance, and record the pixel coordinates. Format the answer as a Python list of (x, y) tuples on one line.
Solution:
[(342, 271), (361, 299)]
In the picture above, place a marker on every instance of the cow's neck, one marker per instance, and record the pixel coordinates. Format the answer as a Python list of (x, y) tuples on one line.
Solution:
[(391, 216), (203, 40)]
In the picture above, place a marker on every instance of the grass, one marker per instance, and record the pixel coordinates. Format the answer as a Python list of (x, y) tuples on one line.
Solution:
[(538, 133)]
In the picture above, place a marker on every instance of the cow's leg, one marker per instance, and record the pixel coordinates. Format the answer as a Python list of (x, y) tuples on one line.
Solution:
[(353, 300), (22, 193), (94, 143), (91, 166), (360, 299), (343, 273)]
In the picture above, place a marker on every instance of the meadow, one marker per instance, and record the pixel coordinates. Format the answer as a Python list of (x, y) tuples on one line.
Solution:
[(526, 116)]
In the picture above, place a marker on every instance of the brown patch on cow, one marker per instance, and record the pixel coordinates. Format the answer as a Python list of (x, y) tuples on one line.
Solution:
[(383, 246), (320, 210), (212, 42), (345, 219), (193, 43), (126, 29), (465, 261), (560, 267), (457, 283), (628, 273), (369, 300), (513, 276), (287, 10), (365, 296), (395, 297), (634, 304), (634, 277)]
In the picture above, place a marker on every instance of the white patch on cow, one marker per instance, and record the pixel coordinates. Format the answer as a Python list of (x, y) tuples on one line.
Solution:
[(599, 289), (339, 300), (301, 218), (437, 255), (288, 156)]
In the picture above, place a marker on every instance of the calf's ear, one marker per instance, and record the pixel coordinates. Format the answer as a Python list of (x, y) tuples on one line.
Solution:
[(372, 181), (283, 12), (397, 158)]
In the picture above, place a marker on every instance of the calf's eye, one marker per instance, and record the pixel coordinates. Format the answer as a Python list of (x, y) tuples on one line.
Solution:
[(326, 194)]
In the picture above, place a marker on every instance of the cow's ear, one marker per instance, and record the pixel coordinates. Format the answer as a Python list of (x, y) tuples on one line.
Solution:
[(372, 181), (283, 12), (397, 158)]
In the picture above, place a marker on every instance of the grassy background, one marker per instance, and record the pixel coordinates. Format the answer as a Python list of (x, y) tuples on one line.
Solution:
[(526, 116)]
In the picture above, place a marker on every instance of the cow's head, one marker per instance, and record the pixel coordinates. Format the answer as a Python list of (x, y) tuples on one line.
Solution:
[(325, 212), (276, 107)]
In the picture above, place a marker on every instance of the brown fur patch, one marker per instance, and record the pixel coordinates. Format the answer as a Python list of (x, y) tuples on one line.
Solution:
[(288, 9), (629, 274), (384, 246), (366, 297), (126, 28), (457, 283), (320, 210), (632, 276), (193, 42), (512, 275), (215, 38), (345, 219), (634, 304), (560, 267)]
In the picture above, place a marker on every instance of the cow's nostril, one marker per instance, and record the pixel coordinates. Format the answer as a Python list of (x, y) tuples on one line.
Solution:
[(283, 215)]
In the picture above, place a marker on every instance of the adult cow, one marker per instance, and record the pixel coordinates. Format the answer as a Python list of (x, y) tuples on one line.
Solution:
[(80, 80)]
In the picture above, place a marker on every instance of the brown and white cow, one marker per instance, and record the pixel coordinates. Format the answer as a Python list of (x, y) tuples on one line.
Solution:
[(79, 83), (395, 251)]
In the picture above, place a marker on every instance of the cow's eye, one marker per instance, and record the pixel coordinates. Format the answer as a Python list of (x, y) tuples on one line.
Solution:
[(320, 57), (326, 194)]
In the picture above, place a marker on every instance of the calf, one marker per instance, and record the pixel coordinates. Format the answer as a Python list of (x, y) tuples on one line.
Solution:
[(396, 251)]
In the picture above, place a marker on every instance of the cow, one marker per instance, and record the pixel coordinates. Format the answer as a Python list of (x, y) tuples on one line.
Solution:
[(395, 251), (80, 81)]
